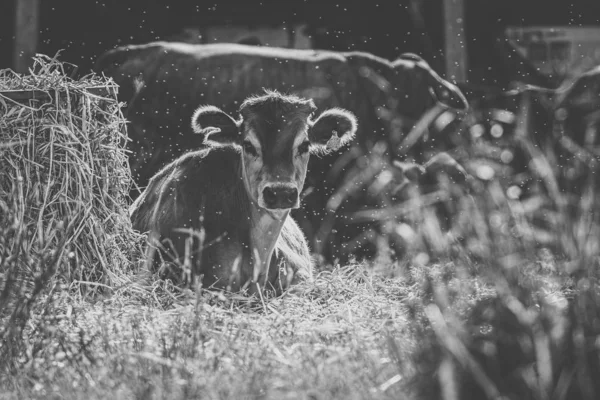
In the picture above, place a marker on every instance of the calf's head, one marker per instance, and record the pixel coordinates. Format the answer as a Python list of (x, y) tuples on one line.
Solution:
[(275, 135)]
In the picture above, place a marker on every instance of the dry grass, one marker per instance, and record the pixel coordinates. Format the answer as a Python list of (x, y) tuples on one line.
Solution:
[(350, 336)]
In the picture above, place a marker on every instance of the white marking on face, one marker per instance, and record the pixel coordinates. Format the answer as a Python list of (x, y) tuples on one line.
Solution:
[(300, 161), (301, 138)]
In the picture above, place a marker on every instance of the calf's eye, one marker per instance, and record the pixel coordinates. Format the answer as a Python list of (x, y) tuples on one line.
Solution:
[(249, 148), (303, 148)]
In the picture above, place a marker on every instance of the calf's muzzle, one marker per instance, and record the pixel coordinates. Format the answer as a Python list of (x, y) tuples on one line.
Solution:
[(280, 196)]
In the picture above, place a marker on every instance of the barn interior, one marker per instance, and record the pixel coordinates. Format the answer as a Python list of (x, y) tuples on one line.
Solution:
[(84, 29)]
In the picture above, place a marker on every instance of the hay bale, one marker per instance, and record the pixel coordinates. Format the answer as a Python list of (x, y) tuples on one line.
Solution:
[(64, 176)]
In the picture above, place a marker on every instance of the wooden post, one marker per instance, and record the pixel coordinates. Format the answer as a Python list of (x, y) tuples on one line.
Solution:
[(26, 33), (455, 40)]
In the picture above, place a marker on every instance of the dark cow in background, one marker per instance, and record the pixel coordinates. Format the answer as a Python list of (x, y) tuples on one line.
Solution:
[(236, 194), (387, 98)]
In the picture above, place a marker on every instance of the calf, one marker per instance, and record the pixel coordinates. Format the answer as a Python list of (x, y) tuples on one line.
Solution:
[(236, 193)]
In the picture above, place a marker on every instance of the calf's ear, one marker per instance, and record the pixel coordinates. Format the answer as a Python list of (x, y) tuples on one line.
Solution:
[(216, 125), (333, 129)]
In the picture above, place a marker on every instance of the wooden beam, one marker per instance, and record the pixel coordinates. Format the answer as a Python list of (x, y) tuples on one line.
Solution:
[(455, 41), (26, 33)]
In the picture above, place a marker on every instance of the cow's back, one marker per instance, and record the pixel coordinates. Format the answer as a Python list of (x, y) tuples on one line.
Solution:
[(223, 75)]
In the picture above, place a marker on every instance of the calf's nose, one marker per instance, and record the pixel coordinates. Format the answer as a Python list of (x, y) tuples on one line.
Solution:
[(280, 196)]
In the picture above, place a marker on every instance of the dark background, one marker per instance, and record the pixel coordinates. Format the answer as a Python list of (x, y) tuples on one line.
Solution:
[(84, 29)]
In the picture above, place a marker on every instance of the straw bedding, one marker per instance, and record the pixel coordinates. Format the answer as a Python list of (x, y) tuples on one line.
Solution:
[(64, 179)]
